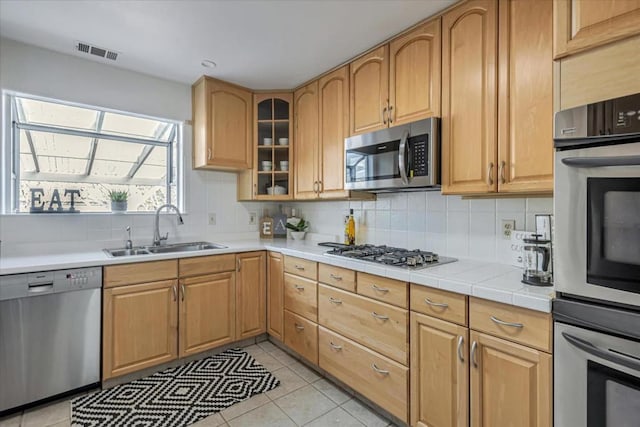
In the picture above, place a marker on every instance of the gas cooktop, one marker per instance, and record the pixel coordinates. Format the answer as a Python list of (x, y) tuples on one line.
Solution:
[(387, 255)]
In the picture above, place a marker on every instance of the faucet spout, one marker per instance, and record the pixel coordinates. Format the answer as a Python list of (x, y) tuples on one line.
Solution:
[(157, 238)]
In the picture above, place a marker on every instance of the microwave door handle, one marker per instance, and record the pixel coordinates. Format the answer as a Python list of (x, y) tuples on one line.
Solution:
[(401, 156), (599, 162), (618, 359)]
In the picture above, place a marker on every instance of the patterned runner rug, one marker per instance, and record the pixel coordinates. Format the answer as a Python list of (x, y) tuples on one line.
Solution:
[(177, 396)]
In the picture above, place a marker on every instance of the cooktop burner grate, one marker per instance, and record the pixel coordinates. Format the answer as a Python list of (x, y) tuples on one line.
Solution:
[(389, 255)]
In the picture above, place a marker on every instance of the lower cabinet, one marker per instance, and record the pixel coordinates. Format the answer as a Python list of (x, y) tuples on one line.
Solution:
[(140, 327), (207, 308), (510, 384), (301, 335), (251, 294), (439, 373), (275, 295)]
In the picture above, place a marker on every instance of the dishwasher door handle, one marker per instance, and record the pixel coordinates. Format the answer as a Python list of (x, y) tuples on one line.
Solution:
[(38, 288)]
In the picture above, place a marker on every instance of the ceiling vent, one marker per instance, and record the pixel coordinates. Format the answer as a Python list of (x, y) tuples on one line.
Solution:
[(96, 51)]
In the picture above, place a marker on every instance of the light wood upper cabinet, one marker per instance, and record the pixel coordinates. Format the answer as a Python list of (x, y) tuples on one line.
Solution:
[(251, 294), (510, 384), (275, 295), (525, 97), (207, 312), (414, 74), (469, 97), (140, 327), (439, 373), (222, 122), (369, 88), (306, 137), (584, 24), (333, 92)]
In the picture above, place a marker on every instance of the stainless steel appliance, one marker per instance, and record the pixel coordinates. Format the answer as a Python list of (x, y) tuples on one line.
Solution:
[(401, 158), (49, 334), (596, 365), (397, 257), (597, 201)]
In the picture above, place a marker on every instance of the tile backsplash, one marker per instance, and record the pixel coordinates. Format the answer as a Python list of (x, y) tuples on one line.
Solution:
[(448, 225)]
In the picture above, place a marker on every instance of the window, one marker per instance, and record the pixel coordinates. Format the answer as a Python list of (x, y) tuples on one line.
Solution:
[(58, 149)]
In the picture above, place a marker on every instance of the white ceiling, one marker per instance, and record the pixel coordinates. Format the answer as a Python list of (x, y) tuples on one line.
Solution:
[(261, 44)]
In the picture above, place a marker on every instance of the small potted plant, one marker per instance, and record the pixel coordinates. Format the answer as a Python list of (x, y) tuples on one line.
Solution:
[(118, 200), (298, 230)]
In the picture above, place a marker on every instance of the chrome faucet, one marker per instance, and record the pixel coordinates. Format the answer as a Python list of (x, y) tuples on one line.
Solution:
[(157, 239), (129, 242)]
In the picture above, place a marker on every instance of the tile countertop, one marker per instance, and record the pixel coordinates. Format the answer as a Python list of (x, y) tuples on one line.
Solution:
[(492, 281)]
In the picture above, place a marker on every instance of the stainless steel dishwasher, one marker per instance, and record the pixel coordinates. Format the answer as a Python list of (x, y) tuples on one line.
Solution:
[(49, 334)]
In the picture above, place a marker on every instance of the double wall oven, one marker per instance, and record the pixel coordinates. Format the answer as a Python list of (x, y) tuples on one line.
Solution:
[(597, 265)]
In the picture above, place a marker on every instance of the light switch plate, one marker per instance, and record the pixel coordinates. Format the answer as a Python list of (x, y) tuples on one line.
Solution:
[(543, 226), (212, 218)]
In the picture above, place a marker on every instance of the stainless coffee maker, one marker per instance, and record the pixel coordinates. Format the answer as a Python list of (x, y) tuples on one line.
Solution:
[(536, 261)]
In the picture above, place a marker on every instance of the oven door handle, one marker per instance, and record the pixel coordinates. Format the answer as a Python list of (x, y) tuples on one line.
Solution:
[(599, 162), (401, 153), (618, 359)]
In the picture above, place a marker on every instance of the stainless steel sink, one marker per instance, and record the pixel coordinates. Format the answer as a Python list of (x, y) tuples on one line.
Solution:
[(178, 247), (184, 247)]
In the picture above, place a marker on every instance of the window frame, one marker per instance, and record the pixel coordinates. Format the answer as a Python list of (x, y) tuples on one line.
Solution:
[(10, 178)]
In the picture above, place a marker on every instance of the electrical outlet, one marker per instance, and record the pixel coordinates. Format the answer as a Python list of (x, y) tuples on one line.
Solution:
[(212, 218), (253, 218), (508, 225)]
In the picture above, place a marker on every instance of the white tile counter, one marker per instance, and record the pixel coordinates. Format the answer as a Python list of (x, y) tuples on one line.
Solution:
[(492, 281)]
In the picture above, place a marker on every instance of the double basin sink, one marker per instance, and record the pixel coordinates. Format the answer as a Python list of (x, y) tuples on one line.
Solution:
[(165, 249)]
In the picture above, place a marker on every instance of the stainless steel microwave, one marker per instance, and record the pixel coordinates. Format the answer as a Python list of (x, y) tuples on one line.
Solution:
[(401, 158)]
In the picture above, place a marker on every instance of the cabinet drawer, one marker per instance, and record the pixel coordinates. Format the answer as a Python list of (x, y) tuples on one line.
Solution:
[(207, 265), (301, 335), (444, 305), (139, 272), (383, 289), (377, 325), (528, 327), (301, 267), (301, 296), (336, 276), (377, 377)]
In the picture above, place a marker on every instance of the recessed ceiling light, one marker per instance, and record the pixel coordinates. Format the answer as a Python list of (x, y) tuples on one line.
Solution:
[(208, 63)]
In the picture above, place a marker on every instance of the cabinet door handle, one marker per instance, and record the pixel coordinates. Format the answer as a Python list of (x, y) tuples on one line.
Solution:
[(474, 347), (436, 304), (175, 292), (299, 267), (319, 186), (334, 277), (378, 370), (384, 117), (335, 346), (503, 323), (239, 263), (298, 287), (379, 289), (390, 114), (460, 343), (335, 301), (489, 175), (501, 172), (183, 290), (299, 327), (379, 316), (209, 153)]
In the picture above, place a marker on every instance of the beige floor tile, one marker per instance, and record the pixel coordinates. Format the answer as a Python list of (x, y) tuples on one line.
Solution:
[(211, 421), (305, 405), (267, 346), (268, 415), (47, 415), (253, 349), (267, 361), (337, 417), (364, 414), (289, 381), (283, 357), (11, 420), (304, 372), (331, 391), (65, 423), (245, 406)]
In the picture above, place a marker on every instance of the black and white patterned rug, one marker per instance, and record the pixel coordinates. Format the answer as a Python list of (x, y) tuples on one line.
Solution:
[(177, 396)]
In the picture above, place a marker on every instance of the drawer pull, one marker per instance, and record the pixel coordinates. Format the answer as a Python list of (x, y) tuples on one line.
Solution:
[(299, 327), (334, 277), (378, 370), (503, 323), (335, 346), (474, 347), (298, 287), (379, 316), (379, 289), (299, 267), (436, 304), (460, 343), (335, 301)]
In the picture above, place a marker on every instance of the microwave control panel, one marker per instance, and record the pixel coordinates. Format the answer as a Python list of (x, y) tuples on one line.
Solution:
[(420, 160)]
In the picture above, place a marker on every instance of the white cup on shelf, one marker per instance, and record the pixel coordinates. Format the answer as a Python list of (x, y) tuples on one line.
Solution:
[(267, 165), (284, 165), (267, 141), (283, 141)]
